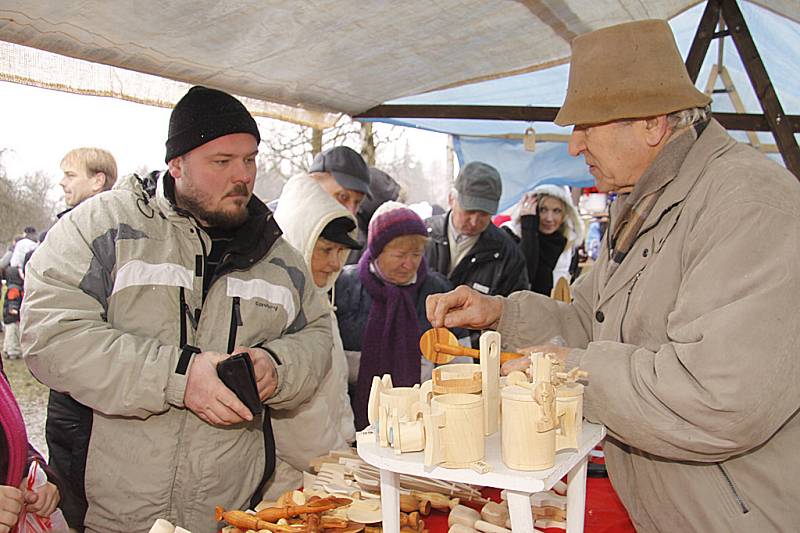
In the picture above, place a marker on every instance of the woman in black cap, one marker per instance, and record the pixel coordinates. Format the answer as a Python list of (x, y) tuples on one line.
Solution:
[(323, 232)]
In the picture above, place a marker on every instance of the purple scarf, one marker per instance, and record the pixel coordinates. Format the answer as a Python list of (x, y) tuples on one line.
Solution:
[(16, 438), (391, 337)]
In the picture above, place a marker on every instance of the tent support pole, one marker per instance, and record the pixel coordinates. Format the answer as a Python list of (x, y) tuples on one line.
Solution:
[(773, 111), (702, 39)]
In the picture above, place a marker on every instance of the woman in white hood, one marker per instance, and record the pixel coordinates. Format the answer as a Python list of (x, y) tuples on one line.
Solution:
[(322, 230), (547, 226)]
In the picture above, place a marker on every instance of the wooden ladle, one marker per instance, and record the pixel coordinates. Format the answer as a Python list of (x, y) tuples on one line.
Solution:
[(440, 346)]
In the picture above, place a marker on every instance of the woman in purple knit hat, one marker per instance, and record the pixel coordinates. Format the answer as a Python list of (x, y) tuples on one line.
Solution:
[(380, 305)]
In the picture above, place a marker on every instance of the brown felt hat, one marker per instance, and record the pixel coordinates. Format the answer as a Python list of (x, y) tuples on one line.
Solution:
[(631, 70)]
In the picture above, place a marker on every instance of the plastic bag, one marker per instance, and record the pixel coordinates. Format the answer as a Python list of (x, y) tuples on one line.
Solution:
[(33, 523)]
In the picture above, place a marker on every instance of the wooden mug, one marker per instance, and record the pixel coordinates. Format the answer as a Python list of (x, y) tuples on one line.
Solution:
[(569, 409), (454, 431), (524, 445)]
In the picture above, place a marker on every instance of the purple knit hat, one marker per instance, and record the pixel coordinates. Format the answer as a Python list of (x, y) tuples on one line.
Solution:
[(392, 220)]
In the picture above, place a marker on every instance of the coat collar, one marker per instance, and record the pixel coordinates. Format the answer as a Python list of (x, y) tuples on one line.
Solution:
[(713, 142)]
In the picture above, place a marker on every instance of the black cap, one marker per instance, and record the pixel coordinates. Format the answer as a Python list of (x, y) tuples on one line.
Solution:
[(338, 231), (203, 115), (344, 164), (30, 230)]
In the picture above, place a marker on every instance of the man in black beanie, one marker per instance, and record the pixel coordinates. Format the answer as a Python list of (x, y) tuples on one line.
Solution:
[(133, 302)]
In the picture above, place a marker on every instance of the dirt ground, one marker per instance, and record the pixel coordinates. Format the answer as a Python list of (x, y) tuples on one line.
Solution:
[(31, 397)]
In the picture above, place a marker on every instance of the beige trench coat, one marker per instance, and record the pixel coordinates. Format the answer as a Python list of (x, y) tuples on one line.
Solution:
[(692, 347)]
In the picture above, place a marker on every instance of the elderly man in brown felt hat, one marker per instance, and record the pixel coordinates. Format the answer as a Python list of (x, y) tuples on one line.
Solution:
[(688, 322)]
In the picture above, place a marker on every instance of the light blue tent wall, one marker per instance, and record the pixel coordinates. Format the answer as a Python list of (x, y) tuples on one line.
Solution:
[(777, 39)]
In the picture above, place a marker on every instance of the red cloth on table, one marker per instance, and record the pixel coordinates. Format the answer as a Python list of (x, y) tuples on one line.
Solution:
[(604, 512)]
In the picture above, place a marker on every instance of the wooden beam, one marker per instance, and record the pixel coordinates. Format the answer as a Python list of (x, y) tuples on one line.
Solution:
[(731, 121), (475, 112), (779, 123), (702, 39)]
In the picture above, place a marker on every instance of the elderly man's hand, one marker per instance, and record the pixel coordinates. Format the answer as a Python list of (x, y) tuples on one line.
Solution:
[(464, 307), (264, 370), (522, 363), (209, 398)]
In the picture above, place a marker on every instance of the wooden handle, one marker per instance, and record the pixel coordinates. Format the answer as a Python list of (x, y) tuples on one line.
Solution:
[(472, 352)]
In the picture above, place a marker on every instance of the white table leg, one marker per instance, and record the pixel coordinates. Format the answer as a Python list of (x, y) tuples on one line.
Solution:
[(576, 496), (390, 501), (519, 507)]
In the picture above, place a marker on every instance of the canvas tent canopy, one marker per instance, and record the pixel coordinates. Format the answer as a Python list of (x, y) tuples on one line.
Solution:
[(305, 61)]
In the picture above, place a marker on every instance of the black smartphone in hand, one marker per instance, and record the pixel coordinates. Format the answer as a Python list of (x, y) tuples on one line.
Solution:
[(236, 372)]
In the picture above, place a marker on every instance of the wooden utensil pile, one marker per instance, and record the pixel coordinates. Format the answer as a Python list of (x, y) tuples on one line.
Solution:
[(346, 473)]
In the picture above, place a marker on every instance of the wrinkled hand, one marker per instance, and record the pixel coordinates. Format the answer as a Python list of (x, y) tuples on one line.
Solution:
[(11, 502), (42, 501), (528, 205), (464, 307), (522, 364), (209, 398), (264, 370)]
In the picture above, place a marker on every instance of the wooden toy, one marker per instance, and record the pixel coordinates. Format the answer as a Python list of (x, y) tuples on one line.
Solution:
[(490, 357), (406, 436), (457, 378), (364, 511), (495, 513), (561, 291), (461, 514), (486, 527), (438, 501), (440, 346), (454, 431), (410, 503), (373, 404)]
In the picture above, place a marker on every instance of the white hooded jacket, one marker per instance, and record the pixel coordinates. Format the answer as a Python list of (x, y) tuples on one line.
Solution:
[(325, 421), (571, 228)]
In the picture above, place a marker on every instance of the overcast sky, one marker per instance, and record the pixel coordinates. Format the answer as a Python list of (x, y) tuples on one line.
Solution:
[(39, 126)]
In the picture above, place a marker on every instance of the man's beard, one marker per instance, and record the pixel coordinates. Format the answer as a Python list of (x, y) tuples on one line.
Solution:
[(215, 219)]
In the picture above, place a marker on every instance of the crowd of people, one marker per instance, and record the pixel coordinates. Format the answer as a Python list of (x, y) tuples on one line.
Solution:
[(146, 284)]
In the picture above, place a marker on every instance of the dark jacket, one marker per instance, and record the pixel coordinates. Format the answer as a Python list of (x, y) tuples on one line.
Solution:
[(67, 431), (353, 303), (12, 303), (382, 188), (541, 252), (494, 266)]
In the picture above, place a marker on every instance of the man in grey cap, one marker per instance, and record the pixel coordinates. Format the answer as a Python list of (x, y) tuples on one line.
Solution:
[(342, 173), (465, 246)]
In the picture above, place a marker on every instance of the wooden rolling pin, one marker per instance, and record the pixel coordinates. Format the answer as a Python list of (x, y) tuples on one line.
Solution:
[(440, 346)]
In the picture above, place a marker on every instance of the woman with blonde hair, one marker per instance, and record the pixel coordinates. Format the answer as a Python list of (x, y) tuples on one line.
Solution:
[(547, 226)]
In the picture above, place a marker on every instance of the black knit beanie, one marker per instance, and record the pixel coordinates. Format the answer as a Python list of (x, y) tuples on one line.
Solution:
[(203, 115)]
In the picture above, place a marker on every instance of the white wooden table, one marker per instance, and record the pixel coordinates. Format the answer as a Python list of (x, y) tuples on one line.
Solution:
[(519, 485)]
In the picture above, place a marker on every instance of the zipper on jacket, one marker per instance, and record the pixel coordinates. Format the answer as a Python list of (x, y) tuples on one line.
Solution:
[(729, 481), (628, 302), (236, 322)]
